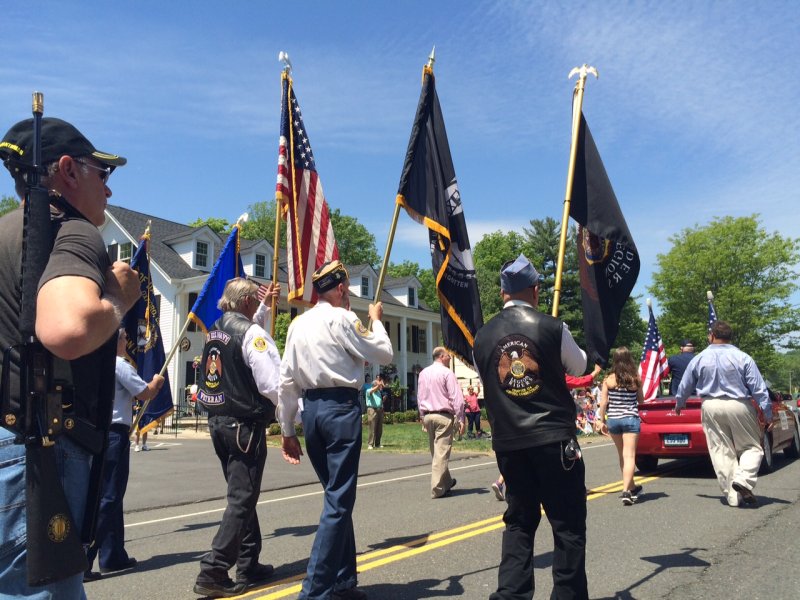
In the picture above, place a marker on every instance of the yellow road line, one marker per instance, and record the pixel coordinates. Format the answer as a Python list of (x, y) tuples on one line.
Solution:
[(427, 543)]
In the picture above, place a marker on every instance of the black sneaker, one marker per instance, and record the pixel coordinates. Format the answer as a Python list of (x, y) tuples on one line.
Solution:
[(627, 499), (352, 593), (89, 575), (219, 589), (258, 574), (128, 564), (637, 489)]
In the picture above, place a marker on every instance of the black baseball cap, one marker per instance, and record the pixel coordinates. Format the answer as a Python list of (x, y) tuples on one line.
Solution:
[(58, 138), (687, 342)]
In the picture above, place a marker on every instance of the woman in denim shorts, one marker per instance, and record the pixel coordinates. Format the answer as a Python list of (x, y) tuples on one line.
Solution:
[(619, 401)]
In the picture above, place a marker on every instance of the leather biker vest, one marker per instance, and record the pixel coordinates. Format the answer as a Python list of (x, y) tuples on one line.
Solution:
[(518, 355), (227, 387)]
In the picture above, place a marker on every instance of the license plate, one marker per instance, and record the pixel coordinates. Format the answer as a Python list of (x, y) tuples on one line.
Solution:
[(676, 439)]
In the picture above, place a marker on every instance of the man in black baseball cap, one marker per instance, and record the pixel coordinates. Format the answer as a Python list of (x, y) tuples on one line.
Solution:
[(80, 303)]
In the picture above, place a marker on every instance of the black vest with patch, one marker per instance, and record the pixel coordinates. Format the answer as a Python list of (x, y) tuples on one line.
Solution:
[(227, 387), (518, 356)]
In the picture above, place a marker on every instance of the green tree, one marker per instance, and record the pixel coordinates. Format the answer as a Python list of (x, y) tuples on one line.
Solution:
[(281, 329), (427, 292), (356, 244), (489, 254), (749, 270), (261, 224), (220, 226), (7, 204), (784, 376)]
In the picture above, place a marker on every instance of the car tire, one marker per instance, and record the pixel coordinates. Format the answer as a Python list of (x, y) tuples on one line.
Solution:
[(646, 463), (768, 462), (793, 449)]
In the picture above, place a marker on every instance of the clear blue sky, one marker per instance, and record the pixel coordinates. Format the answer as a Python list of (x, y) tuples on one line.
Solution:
[(694, 113)]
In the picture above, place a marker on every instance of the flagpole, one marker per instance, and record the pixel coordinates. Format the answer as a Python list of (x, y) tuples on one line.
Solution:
[(396, 215), (243, 218), (577, 107)]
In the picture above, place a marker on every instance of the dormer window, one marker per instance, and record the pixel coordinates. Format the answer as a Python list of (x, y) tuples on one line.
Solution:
[(411, 297), (261, 266), (201, 254), (365, 287)]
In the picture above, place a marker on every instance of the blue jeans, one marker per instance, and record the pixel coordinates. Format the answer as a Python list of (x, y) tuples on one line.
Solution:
[(624, 425), (332, 429), (73, 466), (110, 532)]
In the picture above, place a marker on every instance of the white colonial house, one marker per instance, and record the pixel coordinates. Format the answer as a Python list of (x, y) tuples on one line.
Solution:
[(181, 258)]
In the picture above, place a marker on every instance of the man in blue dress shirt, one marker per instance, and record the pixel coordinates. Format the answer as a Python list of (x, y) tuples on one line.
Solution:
[(726, 378)]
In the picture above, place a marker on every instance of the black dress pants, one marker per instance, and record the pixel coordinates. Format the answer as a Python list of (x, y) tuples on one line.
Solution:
[(242, 452), (541, 476)]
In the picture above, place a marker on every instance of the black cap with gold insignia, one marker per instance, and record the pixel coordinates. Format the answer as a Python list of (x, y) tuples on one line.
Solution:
[(58, 138), (328, 276)]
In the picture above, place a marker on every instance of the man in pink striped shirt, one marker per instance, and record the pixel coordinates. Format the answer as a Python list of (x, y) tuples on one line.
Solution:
[(441, 408)]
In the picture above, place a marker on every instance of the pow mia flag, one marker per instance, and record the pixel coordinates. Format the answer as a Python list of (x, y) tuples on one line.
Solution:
[(607, 257), (429, 193)]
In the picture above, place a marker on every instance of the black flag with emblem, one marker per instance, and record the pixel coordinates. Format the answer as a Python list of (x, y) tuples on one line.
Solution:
[(607, 256), (429, 193)]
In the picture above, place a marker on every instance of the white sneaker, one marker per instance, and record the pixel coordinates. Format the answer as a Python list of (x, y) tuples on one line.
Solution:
[(136, 447), (145, 448), (369, 447)]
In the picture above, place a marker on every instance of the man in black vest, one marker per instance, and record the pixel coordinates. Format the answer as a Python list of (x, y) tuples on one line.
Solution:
[(239, 388), (522, 355)]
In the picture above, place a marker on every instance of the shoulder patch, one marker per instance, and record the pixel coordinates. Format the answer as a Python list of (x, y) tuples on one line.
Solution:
[(260, 344), (360, 329)]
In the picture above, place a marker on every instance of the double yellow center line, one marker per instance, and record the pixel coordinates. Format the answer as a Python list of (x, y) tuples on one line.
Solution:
[(420, 545)]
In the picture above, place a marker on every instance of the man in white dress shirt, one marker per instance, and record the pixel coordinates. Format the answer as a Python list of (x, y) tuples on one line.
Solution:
[(326, 348)]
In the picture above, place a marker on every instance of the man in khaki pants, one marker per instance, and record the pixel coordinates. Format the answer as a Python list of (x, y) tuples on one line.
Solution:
[(441, 408), (726, 378)]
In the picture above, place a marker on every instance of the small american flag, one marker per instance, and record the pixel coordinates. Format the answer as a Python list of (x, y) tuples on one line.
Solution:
[(653, 365), (712, 314), (309, 234)]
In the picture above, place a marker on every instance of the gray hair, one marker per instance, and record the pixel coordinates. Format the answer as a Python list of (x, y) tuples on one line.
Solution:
[(21, 177), (236, 292)]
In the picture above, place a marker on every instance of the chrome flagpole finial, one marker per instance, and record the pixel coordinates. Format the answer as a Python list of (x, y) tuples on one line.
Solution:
[(287, 64)]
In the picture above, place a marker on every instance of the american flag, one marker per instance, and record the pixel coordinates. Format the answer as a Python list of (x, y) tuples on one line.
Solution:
[(712, 314), (309, 233), (653, 365)]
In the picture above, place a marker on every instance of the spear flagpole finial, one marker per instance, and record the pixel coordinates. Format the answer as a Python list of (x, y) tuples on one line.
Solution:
[(709, 295), (649, 303), (287, 64), (432, 58)]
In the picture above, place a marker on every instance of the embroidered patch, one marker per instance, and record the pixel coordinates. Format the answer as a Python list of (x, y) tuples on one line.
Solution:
[(213, 369), (58, 528), (260, 344), (517, 369), (361, 330)]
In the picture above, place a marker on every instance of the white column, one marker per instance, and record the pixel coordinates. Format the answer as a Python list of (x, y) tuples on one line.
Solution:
[(428, 340), (402, 364)]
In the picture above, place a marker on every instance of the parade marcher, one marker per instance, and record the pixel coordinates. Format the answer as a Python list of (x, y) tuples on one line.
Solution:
[(374, 402), (239, 389), (521, 355), (110, 536), (473, 410), (326, 348), (678, 363), (81, 300), (441, 409), (620, 399), (726, 378)]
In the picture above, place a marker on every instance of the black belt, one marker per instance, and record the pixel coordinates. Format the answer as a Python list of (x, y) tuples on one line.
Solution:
[(340, 394), (440, 412)]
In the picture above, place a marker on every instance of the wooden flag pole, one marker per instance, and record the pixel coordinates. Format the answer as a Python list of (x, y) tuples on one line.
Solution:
[(395, 217), (577, 106), (287, 69)]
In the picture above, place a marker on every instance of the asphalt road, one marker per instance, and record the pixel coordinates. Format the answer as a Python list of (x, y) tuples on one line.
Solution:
[(678, 542)]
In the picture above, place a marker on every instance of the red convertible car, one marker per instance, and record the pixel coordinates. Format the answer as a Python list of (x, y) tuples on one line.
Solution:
[(667, 435)]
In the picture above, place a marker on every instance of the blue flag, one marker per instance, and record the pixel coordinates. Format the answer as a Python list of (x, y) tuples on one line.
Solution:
[(228, 265), (145, 348)]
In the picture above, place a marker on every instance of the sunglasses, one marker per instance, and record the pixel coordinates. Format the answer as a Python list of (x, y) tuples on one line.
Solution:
[(105, 172)]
